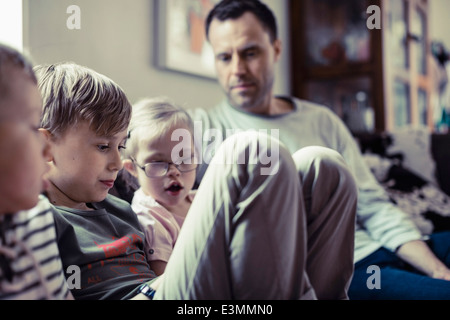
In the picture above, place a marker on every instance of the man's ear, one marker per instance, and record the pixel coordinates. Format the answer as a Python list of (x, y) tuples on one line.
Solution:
[(277, 45), (130, 167)]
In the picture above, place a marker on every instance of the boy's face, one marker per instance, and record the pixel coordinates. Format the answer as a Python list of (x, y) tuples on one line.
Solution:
[(84, 166), (24, 149), (172, 189)]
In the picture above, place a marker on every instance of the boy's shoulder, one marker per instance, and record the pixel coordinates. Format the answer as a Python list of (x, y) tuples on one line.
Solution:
[(30, 237), (111, 205), (33, 218)]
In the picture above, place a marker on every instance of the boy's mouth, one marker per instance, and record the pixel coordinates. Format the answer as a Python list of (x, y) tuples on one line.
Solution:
[(108, 183)]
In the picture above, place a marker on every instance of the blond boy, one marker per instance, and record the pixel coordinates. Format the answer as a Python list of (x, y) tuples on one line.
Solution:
[(85, 119)]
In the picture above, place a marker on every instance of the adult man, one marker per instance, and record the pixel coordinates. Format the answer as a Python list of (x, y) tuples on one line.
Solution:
[(243, 35)]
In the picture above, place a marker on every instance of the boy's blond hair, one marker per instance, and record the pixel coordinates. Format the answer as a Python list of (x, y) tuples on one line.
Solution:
[(72, 93), (152, 118)]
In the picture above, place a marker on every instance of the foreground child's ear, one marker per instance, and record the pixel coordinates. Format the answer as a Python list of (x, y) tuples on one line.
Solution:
[(130, 167)]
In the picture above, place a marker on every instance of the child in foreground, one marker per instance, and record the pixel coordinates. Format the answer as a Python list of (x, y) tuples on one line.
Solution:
[(165, 169), (30, 266)]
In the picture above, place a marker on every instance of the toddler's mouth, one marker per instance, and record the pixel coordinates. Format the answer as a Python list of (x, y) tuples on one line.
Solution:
[(174, 187)]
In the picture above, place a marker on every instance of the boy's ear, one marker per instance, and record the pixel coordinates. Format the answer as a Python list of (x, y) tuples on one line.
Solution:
[(48, 137), (46, 133), (130, 167)]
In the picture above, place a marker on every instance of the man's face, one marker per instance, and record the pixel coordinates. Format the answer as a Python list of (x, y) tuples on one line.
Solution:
[(244, 60)]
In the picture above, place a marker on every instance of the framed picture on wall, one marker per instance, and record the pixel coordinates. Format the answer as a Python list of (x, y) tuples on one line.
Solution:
[(181, 43)]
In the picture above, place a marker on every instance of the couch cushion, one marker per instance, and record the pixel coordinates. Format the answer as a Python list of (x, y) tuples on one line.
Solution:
[(427, 204), (414, 143)]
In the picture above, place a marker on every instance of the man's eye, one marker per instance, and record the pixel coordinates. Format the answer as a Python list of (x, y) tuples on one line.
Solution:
[(250, 53), (223, 58), (102, 147)]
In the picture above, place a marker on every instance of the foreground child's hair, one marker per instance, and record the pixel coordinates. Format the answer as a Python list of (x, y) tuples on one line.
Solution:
[(153, 117), (72, 93), (10, 58)]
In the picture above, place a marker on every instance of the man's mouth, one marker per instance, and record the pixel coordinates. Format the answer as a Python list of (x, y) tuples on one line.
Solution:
[(242, 86)]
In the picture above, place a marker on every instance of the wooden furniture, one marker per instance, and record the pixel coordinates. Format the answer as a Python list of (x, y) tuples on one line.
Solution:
[(374, 79)]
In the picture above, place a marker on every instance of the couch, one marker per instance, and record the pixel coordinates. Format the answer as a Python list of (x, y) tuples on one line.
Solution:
[(413, 165)]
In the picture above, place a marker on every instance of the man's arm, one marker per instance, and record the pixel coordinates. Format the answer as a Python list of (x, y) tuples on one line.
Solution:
[(419, 255)]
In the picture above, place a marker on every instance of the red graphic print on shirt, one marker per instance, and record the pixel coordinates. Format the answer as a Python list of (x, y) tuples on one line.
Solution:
[(119, 247)]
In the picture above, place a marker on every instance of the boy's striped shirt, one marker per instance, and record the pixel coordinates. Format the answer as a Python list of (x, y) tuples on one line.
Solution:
[(30, 264)]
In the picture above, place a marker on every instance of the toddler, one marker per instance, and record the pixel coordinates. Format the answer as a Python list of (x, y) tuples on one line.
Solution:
[(165, 169)]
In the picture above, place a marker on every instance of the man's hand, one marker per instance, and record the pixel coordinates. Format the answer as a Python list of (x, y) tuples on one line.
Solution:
[(443, 274), (419, 255)]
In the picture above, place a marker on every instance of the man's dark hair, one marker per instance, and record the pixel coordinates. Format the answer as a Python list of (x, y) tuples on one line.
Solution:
[(234, 9)]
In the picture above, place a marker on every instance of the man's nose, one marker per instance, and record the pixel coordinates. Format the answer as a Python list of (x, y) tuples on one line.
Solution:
[(238, 65)]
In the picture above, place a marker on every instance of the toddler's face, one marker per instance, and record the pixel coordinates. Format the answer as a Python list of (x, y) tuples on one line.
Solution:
[(24, 149), (172, 189)]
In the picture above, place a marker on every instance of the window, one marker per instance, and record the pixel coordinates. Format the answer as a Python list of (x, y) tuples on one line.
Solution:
[(11, 28)]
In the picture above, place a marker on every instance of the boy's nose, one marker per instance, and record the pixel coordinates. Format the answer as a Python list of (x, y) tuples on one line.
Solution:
[(116, 162)]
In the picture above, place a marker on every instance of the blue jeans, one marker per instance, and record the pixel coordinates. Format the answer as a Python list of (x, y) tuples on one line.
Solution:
[(399, 280)]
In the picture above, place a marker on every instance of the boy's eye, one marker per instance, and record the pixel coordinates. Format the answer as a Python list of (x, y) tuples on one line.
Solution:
[(105, 147)]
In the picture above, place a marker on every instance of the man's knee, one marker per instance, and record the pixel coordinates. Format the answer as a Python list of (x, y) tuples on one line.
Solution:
[(324, 163), (254, 149)]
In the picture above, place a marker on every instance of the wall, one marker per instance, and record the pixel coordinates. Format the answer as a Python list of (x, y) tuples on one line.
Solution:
[(116, 39), (11, 23), (439, 25)]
